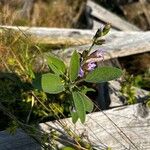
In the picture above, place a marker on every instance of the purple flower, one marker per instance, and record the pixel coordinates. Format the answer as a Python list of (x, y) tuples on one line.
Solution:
[(81, 72), (96, 56), (91, 66), (100, 53)]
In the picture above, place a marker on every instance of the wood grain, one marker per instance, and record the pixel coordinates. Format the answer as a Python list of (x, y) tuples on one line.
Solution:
[(118, 44), (54, 35), (120, 128)]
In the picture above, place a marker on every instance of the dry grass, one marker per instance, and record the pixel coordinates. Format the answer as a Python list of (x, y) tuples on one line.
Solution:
[(9, 11), (54, 13)]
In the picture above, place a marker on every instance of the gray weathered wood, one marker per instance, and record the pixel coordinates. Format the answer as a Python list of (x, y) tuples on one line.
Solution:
[(56, 35), (120, 128), (51, 32), (107, 16), (115, 127), (118, 44)]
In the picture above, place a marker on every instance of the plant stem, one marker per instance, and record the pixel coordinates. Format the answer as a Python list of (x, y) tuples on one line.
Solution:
[(79, 81), (88, 51)]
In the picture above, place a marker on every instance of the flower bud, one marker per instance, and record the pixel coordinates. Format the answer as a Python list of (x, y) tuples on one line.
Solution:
[(102, 31), (106, 29)]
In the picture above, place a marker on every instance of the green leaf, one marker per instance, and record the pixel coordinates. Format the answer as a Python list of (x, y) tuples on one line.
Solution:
[(74, 66), (85, 89), (87, 103), (79, 105), (56, 64), (51, 83), (103, 74), (54, 69), (74, 117)]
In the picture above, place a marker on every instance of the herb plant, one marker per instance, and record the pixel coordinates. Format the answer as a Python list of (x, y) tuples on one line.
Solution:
[(82, 68)]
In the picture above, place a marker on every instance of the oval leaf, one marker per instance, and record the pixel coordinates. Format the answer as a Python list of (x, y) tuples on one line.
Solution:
[(56, 64), (51, 83), (103, 74), (87, 103), (54, 69), (85, 89), (79, 105), (74, 117), (74, 66)]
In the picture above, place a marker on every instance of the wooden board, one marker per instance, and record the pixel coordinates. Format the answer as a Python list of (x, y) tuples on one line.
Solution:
[(120, 128), (55, 35), (115, 128), (118, 44), (107, 16)]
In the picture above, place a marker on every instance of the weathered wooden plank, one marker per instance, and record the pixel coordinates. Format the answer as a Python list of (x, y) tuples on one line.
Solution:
[(56, 35), (107, 16), (120, 128), (118, 44), (51, 32), (116, 127)]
